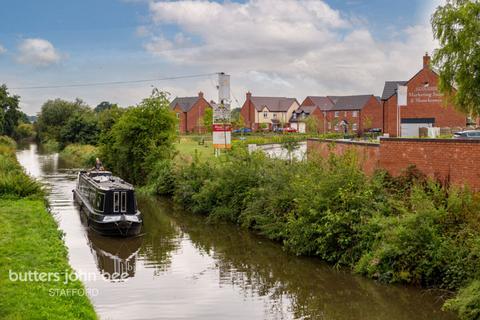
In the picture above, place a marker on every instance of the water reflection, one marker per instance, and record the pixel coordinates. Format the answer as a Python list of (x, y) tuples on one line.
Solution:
[(115, 258), (300, 287), (183, 268)]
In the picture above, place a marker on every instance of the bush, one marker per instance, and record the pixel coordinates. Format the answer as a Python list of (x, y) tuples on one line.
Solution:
[(467, 302), (80, 154), (406, 229), (13, 180), (141, 136)]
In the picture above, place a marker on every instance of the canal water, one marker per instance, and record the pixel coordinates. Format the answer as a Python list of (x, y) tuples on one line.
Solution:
[(183, 268)]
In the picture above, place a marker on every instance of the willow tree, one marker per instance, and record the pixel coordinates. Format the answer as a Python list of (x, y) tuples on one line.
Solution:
[(456, 25)]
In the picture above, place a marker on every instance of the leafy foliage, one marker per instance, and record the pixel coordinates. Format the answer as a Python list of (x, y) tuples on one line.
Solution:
[(456, 25), (142, 136), (10, 114), (406, 229)]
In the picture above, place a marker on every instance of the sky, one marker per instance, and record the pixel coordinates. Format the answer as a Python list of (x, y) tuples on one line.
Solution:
[(291, 48)]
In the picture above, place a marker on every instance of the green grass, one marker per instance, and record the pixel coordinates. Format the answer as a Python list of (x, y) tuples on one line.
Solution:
[(31, 242), (81, 155), (188, 148)]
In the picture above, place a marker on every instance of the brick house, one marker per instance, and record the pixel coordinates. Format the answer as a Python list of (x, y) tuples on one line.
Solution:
[(272, 112), (426, 106), (190, 111), (354, 114)]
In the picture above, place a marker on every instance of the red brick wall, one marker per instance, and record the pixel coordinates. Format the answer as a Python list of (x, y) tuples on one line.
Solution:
[(195, 116), (182, 119), (248, 113), (372, 112), (450, 160), (443, 159), (368, 153), (192, 121), (421, 106)]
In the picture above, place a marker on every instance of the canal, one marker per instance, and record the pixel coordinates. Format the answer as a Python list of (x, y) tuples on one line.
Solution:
[(183, 268)]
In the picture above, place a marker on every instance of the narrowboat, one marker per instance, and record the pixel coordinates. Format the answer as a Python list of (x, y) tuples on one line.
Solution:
[(108, 202)]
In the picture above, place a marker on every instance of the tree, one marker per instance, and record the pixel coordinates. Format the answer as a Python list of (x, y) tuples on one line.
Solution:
[(10, 114), (456, 25), (142, 136), (312, 124), (81, 127), (208, 119), (25, 131), (104, 105), (54, 116)]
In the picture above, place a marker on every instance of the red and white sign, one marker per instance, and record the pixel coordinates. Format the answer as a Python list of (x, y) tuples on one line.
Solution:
[(222, 136)]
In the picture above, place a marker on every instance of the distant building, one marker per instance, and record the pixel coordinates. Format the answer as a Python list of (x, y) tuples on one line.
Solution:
[(269, 112), (353, 114), (190, 112), (426, 106)]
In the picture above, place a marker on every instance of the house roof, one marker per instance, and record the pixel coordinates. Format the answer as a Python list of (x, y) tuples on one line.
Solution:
[(349, 102), (390, 88), (185, 103), (324, 103), (306, 109), (273, 104)]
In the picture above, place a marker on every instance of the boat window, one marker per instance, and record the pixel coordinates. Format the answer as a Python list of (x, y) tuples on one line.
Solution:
[(116, 202), (124, 202), (100, 201)]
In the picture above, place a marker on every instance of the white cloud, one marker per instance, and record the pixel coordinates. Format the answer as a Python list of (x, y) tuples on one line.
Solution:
[(37, 52), (2, 49), (309, 46)]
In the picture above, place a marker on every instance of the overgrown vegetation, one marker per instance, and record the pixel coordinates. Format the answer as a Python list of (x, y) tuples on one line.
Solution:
[(80, 154), (397, 230), (30, 241)]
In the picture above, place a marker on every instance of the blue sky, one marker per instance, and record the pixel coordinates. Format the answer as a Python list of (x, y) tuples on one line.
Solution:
[(318, 47)]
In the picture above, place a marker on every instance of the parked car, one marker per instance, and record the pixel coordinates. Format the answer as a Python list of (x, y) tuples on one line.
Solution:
[(467, 134), (287, 129), (242, 130)]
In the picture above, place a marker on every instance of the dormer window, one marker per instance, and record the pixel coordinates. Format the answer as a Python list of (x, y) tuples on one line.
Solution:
[(265, 115)]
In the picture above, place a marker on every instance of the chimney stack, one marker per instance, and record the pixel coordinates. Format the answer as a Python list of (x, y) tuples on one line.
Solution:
[(249, 95), (426, 61), (200, 94)]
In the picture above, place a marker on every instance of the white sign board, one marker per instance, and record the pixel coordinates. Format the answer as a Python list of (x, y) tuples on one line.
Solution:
[(402, 93), (222, 136)]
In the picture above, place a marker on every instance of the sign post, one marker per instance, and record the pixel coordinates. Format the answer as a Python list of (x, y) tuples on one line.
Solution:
[(402, 92), (222, 129)]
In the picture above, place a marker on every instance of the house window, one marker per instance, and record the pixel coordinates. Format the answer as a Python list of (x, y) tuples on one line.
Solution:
[(265, 115), (337, 114), (354, 127), (346, 113), (354, 114), (178, 115), (274, 116)]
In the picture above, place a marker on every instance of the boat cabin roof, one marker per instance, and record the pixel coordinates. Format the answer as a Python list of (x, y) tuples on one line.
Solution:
[(105, 180)]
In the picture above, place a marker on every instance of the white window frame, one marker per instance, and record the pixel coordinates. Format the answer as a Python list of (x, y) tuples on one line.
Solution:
[(116, 201), (265, 115), (337, 114), (355, 114), (274, 116)]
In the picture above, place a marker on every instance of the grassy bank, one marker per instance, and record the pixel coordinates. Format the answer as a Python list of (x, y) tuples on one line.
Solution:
[(397, 230), (81, 155), (31, 242)]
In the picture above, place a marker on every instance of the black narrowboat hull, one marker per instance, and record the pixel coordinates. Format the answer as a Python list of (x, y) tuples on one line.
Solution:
[(109, 225)]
